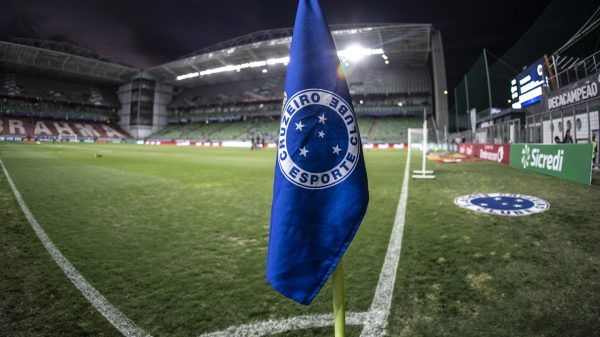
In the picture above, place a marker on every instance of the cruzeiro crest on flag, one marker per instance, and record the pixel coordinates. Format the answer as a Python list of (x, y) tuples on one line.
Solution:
[(319, 144)]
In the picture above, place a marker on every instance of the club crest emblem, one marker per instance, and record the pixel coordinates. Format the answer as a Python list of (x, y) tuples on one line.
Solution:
[(319, 143), (502, 204)]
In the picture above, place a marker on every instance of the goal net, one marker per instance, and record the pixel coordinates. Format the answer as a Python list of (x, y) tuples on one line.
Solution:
[(67, 138), (418, 141)]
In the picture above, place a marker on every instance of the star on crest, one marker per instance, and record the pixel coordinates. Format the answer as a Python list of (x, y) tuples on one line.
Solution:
[(321, 134), (336, 150), (299, 126), (322, 118), (303, 151)]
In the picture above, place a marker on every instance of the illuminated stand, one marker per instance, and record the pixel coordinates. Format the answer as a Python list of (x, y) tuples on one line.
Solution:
[(423, 173)]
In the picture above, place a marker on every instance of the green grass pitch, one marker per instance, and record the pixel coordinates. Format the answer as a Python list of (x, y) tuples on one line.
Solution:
[(176, 239)]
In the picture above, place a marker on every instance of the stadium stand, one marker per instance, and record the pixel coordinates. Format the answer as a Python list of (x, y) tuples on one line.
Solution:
[(56, 110), (203, 96), (395, 81), (55, 91), (37, 107), (409, 80), (28, 86), (12, 128), (373, 129), (257, 90), (390, 129), (219, 131)]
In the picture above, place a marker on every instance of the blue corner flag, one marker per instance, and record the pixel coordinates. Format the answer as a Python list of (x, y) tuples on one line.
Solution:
[(320, 191)]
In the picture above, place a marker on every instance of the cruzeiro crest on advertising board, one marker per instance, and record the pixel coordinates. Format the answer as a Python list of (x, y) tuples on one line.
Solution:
[(505, 204)]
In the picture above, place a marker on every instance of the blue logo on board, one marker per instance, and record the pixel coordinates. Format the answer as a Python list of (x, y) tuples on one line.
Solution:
[(502, 204), (318, 145)]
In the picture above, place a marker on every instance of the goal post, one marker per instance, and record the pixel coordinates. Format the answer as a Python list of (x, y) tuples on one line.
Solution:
[(417, 139), (65, 137)]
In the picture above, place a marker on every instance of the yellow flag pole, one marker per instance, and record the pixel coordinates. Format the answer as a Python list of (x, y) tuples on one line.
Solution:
[(339, 308)]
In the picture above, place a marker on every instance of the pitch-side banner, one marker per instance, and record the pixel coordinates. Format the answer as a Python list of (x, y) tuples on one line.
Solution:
[(498, 153), (493, 152), (567, 161), (467, 149)]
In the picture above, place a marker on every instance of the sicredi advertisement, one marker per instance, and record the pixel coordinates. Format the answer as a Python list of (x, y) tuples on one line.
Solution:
[(567, 161)]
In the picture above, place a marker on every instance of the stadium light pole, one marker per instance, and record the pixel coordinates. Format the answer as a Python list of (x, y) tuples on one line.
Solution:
[(487, 74), (467, 92), (456, 109)]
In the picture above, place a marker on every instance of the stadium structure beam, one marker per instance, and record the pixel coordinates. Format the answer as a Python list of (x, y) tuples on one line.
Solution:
[(37, 53), (380, 38), (407, 44), (166, 68), (50, 59), (65, 62), (94, 67), (249, 51)]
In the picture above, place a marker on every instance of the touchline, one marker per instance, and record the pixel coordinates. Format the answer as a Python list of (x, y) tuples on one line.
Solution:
[(547, 161)]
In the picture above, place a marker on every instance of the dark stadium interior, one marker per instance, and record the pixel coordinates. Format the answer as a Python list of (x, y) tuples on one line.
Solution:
[(150, 151), (47, 73)]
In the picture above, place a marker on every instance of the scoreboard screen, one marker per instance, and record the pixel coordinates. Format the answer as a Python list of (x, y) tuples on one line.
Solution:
[(526, 88)]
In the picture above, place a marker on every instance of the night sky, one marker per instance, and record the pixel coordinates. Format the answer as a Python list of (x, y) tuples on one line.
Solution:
[(148, 33)]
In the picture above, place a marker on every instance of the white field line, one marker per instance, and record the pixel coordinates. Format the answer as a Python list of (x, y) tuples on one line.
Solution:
[(374, 320), (290, 324), (382, 301), (112, 314)]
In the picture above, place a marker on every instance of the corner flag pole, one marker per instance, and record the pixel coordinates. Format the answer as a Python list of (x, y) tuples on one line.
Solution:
[(339, 308)]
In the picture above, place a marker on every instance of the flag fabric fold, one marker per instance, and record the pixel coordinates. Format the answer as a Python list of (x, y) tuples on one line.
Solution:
[(320, 191)]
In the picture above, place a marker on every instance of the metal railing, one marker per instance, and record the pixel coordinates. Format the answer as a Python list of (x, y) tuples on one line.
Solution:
[(501, 133), (576, 71), (580, 119)]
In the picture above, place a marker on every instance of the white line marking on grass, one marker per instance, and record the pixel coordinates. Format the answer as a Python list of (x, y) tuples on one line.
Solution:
[(375, 320), (112, 314), (382, 301), (289, 324)]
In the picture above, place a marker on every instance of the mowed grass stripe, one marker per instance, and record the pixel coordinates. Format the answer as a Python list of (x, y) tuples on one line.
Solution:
[(176, 238)]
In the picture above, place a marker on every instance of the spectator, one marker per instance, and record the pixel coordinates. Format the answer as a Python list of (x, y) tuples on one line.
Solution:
[(557, 140), (568, 139), (594, 149)]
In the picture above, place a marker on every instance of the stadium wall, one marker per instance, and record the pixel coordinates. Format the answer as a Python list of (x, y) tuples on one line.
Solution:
[(130, 96), (163, 95), (124, 95)]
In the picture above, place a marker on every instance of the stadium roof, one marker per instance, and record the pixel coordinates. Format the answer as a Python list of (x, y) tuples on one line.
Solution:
[(44, 58), (402, 44)]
